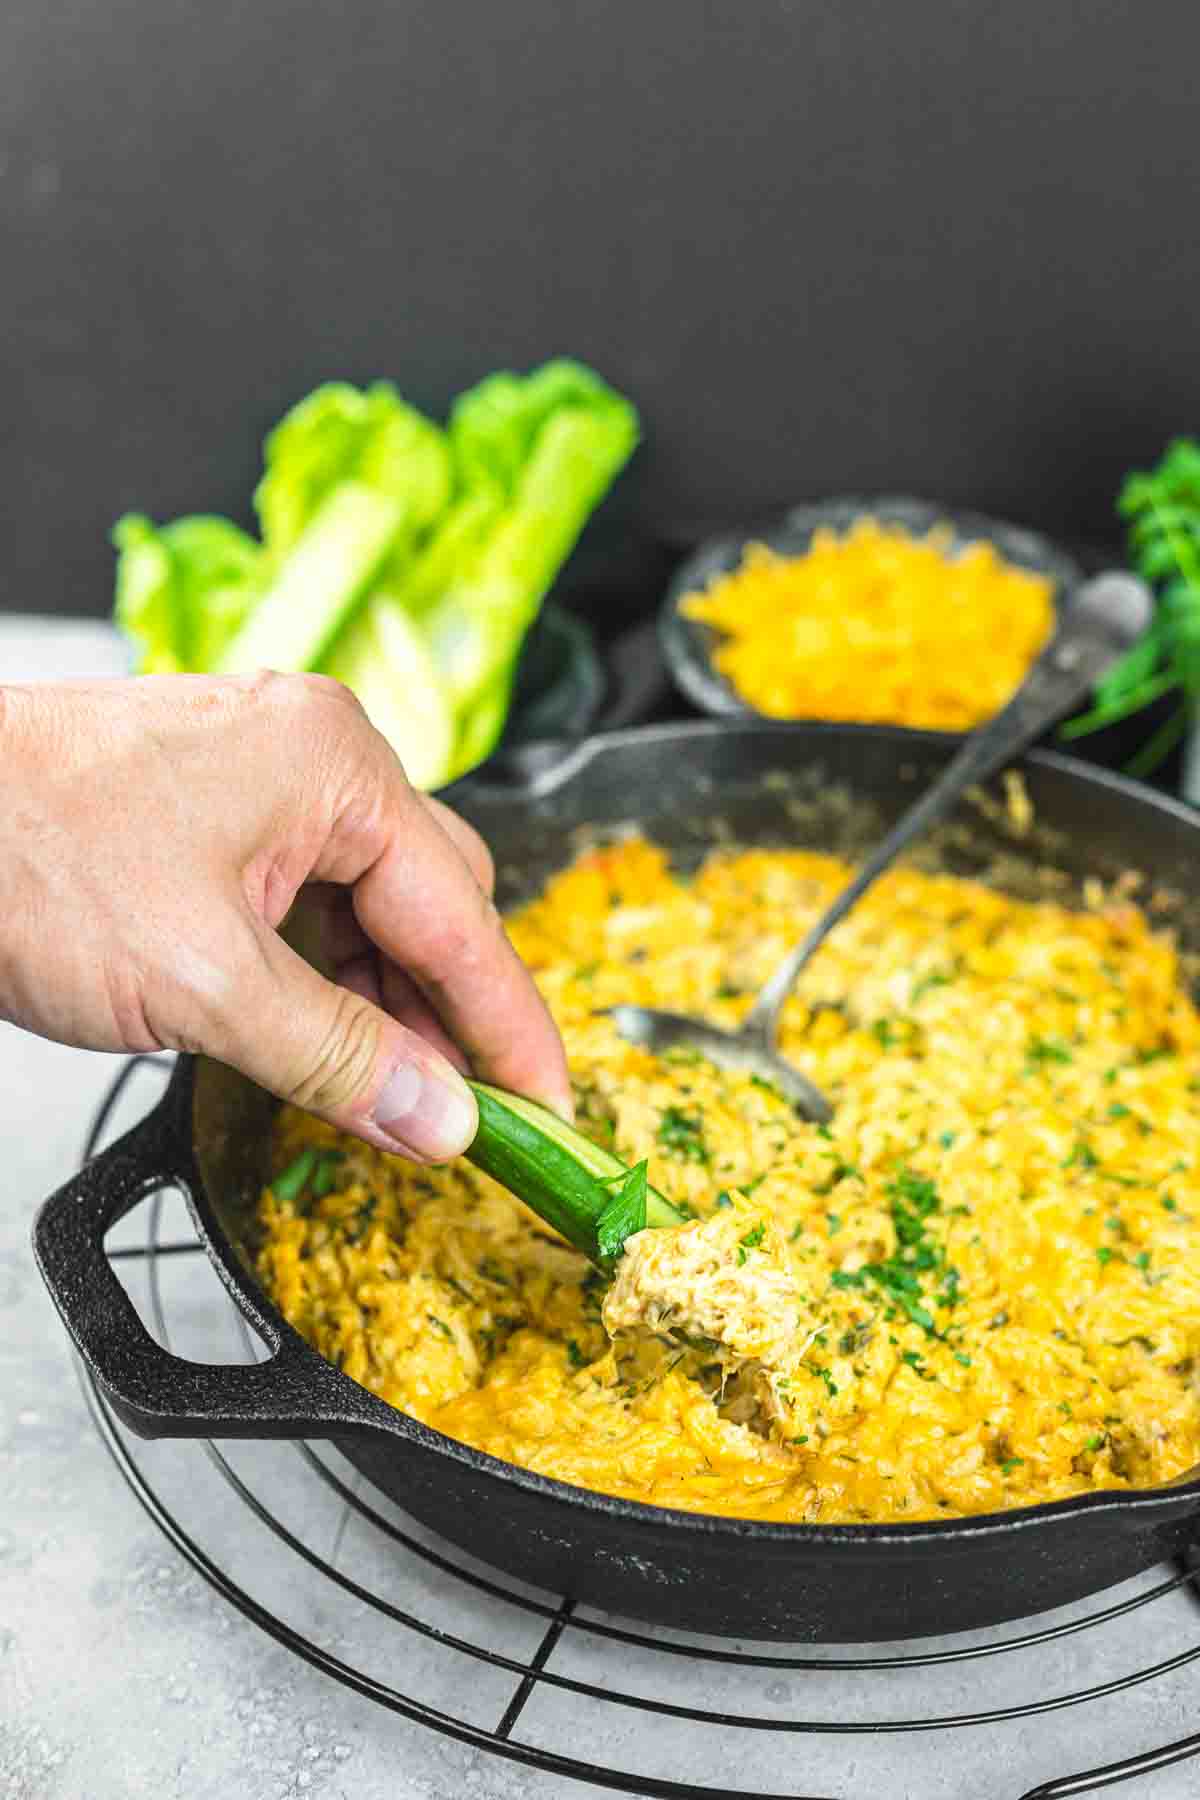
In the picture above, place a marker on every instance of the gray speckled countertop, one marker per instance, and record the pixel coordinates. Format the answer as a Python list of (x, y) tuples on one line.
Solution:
[(123, 1674)]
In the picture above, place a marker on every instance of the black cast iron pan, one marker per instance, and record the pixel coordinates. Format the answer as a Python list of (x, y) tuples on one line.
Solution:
[(687, 786)]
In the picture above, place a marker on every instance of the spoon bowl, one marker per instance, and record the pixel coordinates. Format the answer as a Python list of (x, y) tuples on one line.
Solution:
[(744, 1052)]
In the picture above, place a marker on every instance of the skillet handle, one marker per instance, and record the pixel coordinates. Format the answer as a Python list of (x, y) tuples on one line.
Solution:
[(154, 1393)]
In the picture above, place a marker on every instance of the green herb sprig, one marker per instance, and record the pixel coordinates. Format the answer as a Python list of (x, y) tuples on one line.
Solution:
[(1162, 508)]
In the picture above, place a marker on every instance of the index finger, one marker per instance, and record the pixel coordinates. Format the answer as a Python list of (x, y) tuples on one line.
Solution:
[(421, 905)]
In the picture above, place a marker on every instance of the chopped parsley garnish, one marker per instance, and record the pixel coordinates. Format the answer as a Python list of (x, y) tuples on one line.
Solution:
[(724, 1198), (1040, 1050), (935, 979), (575, 1355), (751, 1241), (1096, 1441), (1082, 1156), (440, 1325), (914, 1199), (684, 1134), (1010, 1463), (834, 1223), (1104, 1256), (949, 1295)]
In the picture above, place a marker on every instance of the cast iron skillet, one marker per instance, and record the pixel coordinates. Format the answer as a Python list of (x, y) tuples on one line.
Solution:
[(687, 785)]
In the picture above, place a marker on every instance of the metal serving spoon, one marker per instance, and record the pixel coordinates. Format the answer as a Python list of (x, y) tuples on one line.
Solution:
[(1098, 623)]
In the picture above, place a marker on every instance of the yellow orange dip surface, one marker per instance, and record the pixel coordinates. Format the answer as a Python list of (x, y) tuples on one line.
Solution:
[(877, 626), (995, 1246)]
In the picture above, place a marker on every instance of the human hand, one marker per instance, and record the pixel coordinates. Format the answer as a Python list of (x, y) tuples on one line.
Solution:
[(154, 835)]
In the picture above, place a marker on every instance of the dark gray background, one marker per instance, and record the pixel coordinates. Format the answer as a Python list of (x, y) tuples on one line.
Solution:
[(870, 244)]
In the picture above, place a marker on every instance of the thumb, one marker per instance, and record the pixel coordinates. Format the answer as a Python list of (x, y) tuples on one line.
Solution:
[(328, 1050)]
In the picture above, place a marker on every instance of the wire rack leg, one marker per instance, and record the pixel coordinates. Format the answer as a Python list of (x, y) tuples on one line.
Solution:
[(537, 1663)]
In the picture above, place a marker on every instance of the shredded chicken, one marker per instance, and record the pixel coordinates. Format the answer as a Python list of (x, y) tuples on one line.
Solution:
[(725, 1285)]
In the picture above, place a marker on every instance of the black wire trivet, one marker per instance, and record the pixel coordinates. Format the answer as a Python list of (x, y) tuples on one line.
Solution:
[(561, 1618)]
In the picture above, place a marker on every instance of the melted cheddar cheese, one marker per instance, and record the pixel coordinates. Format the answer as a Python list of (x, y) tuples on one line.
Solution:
[(993, 1252)]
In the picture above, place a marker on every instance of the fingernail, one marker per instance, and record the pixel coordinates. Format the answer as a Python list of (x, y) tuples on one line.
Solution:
[(424, 1114)]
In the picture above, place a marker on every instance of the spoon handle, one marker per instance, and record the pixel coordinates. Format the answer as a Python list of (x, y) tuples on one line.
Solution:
[(1103, 618)]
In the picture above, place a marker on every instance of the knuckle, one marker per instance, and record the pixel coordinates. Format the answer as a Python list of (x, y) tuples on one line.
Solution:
[(318, 696), (342, 1063), (261, 686), (302, 694), (325, 690)]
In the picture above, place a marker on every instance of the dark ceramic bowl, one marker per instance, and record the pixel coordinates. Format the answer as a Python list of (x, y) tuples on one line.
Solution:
[(560, 682), (688, 644)]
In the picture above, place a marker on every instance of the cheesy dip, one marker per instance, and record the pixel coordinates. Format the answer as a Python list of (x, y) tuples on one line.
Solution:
[(990, 1260)]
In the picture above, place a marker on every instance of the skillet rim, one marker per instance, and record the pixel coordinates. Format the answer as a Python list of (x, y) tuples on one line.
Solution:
[(921, 1536)]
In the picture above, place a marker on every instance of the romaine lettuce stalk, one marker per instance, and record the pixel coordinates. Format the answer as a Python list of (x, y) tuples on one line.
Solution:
[(385, 661), (353, 482), (318, 584), (554, 442)]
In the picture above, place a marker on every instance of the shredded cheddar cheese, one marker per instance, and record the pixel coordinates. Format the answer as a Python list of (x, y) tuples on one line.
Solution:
[(877, 627)]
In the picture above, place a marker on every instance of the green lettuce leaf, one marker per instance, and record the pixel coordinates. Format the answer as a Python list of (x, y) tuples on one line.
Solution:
[(183, 590), (341, 433), (552, 443)]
